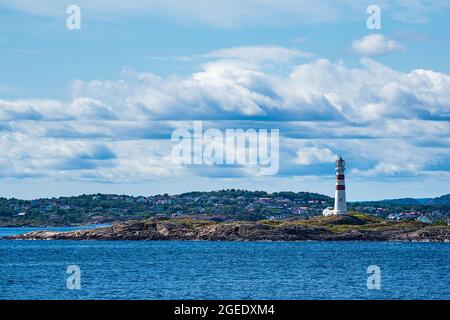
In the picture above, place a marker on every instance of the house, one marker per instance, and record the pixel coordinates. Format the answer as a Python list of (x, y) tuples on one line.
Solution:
[(424, 219), (300, 210), (250, 207), (328, 211), (141, 200), (394, 216), (177, 214), (436, 215)]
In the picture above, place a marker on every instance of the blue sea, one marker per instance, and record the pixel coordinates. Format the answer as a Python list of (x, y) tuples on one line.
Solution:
[(223, 270)]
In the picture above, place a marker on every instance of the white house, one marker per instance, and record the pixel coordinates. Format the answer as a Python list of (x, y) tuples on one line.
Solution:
[(424, 219), (328, 211)]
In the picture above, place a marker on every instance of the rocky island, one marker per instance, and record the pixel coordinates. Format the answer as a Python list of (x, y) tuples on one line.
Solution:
[(354, 226)]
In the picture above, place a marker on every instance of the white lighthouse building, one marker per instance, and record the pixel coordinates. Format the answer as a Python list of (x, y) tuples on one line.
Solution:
[(340, 201)]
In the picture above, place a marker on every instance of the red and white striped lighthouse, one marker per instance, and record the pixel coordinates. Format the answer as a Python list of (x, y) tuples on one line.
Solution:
[(340, 202)]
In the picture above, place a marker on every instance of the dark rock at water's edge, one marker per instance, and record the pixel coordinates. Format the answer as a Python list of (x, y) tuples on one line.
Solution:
[(345, 227)]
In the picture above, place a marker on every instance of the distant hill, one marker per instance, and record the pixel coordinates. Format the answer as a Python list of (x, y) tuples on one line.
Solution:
[(406, 201), (223, 205), (442, 200), (106, 208)]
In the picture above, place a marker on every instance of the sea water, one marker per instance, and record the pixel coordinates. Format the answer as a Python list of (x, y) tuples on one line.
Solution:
[(223, 270)]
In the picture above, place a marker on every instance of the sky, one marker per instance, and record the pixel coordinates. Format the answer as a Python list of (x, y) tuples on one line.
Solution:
[(93, 109)]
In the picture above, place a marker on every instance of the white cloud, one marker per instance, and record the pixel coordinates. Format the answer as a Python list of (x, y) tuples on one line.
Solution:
[(90, 109), (31, 109), (375, 44), (390, 169), (233, 89), (380, 118), (32, 155), (314, 155), (255, 54)]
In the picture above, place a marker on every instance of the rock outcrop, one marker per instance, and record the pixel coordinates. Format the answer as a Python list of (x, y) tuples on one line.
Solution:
[(348, 227)]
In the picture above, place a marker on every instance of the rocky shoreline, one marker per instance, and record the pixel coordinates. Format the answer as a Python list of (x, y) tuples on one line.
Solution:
[(335, 228)]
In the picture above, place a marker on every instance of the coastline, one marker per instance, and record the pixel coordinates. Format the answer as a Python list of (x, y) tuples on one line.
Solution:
[(352, 227)]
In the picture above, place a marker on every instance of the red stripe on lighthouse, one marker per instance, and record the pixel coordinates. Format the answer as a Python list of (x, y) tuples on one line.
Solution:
[(340, 177), (340, 187)]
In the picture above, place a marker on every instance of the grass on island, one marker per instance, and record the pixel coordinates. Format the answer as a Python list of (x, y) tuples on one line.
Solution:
[(335, 223), (349, 222)]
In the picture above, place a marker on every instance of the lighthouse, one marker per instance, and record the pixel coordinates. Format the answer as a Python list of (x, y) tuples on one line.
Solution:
[(340, 202)]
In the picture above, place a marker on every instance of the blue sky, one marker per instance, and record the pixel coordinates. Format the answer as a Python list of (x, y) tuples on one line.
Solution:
[(92, 110)]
